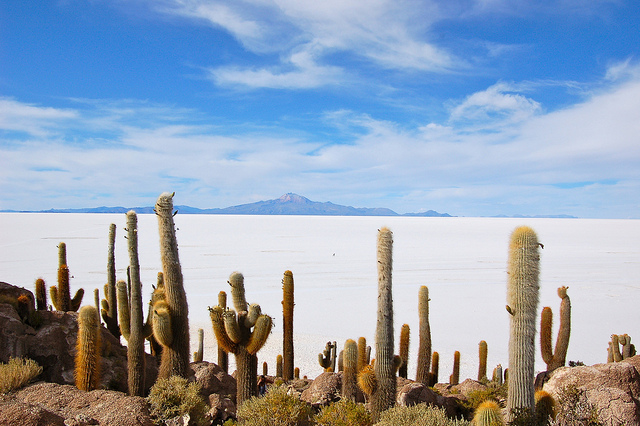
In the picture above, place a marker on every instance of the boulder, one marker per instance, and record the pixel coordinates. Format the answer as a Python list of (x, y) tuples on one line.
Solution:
[(613, 389), (468, 386), (325, 389), (417, 393), (213, 380), (54, 404), (52, 345)]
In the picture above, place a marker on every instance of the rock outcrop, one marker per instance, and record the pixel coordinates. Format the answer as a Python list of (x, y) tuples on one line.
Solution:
[(53, 404), (612, 389)]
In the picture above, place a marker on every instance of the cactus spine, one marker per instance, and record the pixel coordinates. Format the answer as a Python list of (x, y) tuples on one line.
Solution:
[(109, 309), (482, 365), (88, 346), (424, 348), (287, 325), (173, 311), (384, 395), (557, 358), (234, 333), (41, 295), (350, 375), (404, 350), (522, 303), (454, 379), (61, 295)]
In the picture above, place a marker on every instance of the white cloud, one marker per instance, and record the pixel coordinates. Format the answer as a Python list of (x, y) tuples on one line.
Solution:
[(31, 119), (579, 160), (498, 102)]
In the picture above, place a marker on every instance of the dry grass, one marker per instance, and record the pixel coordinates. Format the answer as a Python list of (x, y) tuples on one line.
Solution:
[(17, 373)]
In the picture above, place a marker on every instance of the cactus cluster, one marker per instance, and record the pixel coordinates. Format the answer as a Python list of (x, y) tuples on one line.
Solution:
[(327, 359), (242, 334), (613, 350)]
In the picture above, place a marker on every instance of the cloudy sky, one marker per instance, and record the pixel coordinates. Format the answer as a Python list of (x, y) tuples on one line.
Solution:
[(470, 107)]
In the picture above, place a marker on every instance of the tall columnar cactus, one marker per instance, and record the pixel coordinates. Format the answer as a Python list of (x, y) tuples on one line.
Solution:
[(198, 355), (109, 309), (497, 375), (171, 315), (404, 350), (287, 325), (522, 304), (132, 324), (61, 295), (454, 378), (350, 373), (242, 334), (41, 295), (424, 348), (223, 356), (88, 346), (482, 364), (383, 397), (557, 358)]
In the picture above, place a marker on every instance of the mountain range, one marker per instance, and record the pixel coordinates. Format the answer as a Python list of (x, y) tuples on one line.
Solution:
[(288, 204)]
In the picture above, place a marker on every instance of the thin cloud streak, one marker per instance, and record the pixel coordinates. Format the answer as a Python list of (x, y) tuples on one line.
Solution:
[(569, 159)]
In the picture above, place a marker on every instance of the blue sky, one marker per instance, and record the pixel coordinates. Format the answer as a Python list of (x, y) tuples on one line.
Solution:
[(470, 107)]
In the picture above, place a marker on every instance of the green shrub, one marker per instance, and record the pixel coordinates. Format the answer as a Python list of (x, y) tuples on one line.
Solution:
[(276, 408), (17, 373), (344, 413), (418, 415), (493, 392), (174, 396)]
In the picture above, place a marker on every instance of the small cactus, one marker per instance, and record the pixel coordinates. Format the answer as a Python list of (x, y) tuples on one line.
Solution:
[(454, 378), (404, 350), (326, 359), (287, 325), (198, 355), (545, 407), (41, 295), (482, 366), (488, 413), (279, 363), (435, 367), (350, 374), (424, 348), (88, 346)]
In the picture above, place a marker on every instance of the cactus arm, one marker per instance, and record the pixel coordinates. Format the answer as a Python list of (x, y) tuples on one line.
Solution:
[(41, 295), (252, 315), (350, 375), (77, 300), (564, 332), (123, 312), (217, 320), (162, 329), (232, 327), (53, 292), (546, 324), (236, 281), (260, 334), (367, 380), (404, 349)]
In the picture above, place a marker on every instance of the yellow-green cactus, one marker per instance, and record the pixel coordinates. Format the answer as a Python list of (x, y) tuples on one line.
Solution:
[(88, 347)]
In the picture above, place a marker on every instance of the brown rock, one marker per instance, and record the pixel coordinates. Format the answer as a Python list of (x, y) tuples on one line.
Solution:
[(76, 407), (468, 386), (221, 408), (325, 389), (613, 389), (15, 412), (416, 393), (52, 345), (213, 380)]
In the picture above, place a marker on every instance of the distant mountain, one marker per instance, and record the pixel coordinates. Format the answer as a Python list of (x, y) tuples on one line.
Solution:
[(288, 204)]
